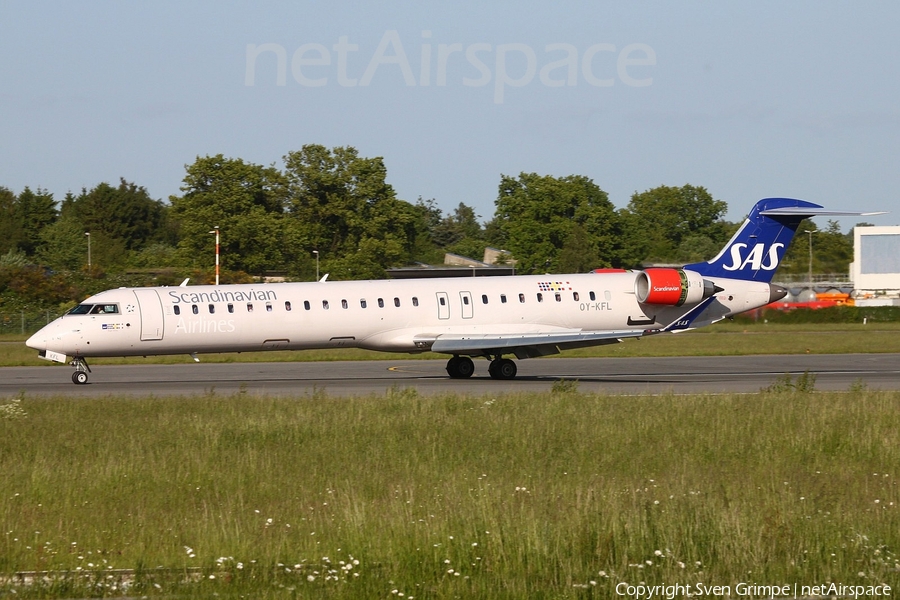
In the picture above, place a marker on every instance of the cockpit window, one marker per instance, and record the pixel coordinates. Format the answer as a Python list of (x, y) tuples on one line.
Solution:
[(81, 309), (105, 309)]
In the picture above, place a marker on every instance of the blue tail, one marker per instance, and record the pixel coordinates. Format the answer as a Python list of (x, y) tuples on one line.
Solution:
[(755, 251)]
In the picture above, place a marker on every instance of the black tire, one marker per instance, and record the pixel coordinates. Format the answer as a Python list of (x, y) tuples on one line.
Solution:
[(465, 367), (507, 369), (503, 368), (79, 377), (452, 367)]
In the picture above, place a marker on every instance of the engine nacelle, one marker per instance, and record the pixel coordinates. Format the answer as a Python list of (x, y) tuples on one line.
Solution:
[(671, 287)]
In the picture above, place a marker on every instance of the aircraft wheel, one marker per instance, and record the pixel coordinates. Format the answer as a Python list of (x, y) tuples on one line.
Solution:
[(460, 367), (79, 377), (503, 368), (466, 367), (451, 366)]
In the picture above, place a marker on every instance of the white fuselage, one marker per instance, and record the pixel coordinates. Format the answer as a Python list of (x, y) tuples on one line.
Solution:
[(388, 315)]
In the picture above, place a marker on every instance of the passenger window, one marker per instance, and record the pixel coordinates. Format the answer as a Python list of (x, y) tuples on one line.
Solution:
[(397, 302), (540, 297), (522, 298), (442, 301), (325, 304), (306, 304), (287, 305), (593, 296), (195, 309), (212, 309), (344, 304), (381, 303), (415, 301), (231, 308), (268, 307), (176, 309), (466, 300), (575, 296), (607, 295), (558, 297), (249, 307), (503, 298), (362, 302), (484, 298)]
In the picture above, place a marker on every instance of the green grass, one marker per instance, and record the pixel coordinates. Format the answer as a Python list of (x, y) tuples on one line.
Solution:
[(523, 495), (717, 340)]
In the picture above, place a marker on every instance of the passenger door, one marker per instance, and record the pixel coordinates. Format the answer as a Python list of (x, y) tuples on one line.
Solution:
[(151, 314), (443, 301), (465, 299)]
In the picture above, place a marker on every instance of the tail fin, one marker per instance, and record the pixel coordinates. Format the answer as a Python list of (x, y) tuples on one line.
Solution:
[(753, 253)]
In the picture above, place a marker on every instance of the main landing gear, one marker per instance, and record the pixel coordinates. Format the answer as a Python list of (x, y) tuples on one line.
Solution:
[(80, 376), (462, 367)]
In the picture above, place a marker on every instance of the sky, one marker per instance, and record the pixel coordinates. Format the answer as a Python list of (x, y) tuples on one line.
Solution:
[(750, 100)]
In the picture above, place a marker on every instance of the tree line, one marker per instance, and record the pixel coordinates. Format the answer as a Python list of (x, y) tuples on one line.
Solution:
[(339, 204)]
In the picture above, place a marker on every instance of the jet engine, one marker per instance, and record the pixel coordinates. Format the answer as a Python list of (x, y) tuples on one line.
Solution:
[(672, 287)]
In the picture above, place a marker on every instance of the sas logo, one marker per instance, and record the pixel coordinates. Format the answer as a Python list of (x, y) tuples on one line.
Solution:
[(757, 259)]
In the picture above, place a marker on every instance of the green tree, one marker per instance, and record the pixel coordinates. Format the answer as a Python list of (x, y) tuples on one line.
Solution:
[(427, 216), (832, 250), (10, 221), (36, 210), (246, 201), (579, 253), (658, 221), (457, 226), (125, 213), (63, 245), (342, 206), (535, 219)]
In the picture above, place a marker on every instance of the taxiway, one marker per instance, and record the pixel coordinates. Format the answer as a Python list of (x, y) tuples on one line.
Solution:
[(681, 375)]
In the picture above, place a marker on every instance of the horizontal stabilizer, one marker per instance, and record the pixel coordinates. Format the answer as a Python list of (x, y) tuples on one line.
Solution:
[(814, 212)]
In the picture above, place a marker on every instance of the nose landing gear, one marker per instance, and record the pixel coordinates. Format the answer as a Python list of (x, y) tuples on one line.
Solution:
[(80, 376)]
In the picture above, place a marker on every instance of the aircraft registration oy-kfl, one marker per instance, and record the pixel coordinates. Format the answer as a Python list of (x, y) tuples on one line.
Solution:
[(524, 315)]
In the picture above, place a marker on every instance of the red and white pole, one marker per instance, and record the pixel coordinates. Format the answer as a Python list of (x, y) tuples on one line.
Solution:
[(216, 231)]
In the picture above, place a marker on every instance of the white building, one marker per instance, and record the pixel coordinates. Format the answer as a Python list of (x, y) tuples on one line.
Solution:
[(875, 270)]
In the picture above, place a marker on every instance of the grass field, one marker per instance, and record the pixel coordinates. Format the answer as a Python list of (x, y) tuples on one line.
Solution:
[(563, 495), (717, 340)]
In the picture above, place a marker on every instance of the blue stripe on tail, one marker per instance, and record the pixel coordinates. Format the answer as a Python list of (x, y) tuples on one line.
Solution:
[(757, 248)]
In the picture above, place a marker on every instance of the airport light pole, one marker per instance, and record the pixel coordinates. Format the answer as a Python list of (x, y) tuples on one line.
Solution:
[(810, 232), (216, 231), (88, 234), (316, 252)]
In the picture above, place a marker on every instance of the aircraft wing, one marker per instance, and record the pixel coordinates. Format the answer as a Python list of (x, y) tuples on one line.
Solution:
[(526, 345)]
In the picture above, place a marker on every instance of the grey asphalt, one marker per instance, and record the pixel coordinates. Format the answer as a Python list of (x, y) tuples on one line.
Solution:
[(611, 375)]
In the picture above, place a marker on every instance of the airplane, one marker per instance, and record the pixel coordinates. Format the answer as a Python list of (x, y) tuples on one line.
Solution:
[(525, 316)]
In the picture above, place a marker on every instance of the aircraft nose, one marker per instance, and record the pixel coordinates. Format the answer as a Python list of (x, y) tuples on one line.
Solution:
[(38, 341), (45, 336)]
